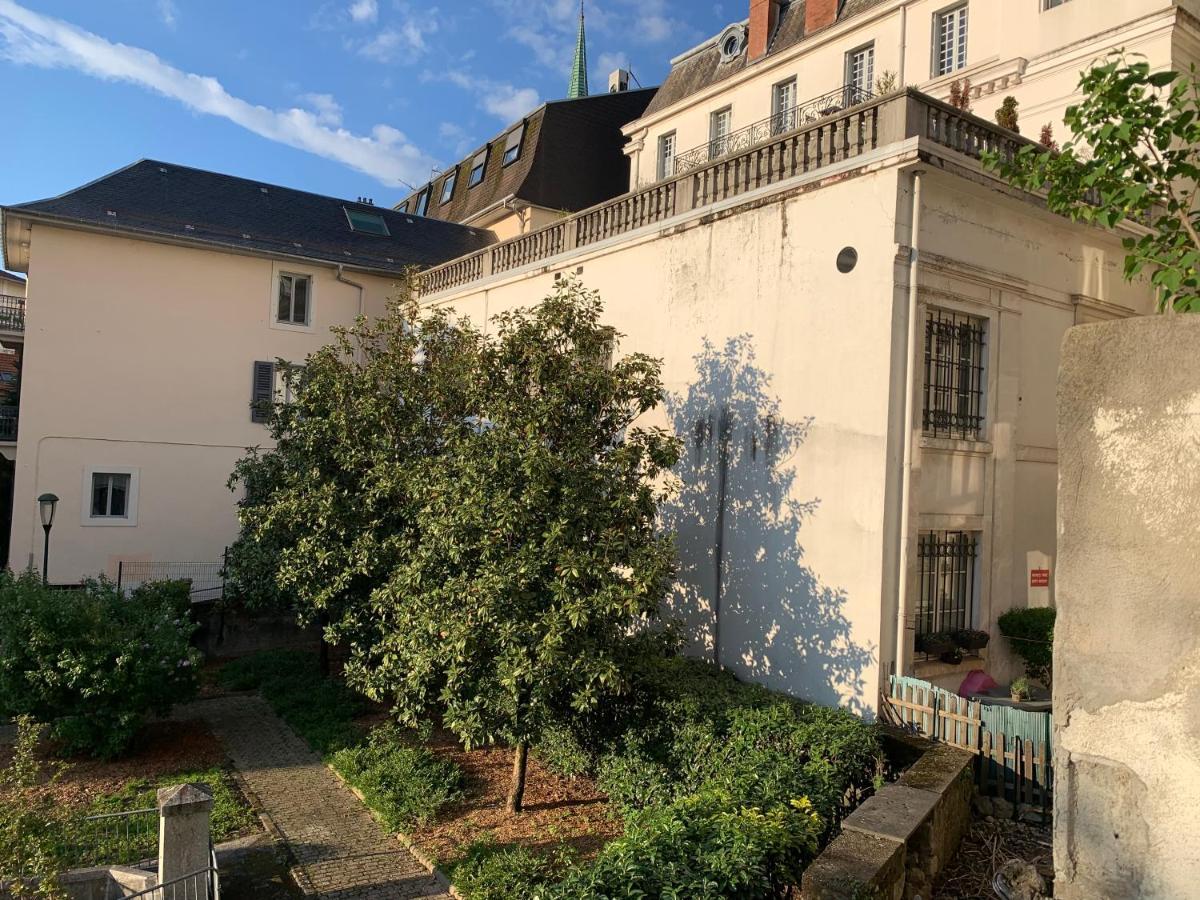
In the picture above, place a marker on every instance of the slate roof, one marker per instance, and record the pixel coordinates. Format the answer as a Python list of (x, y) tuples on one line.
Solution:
[(571, 158), (701, 68), (158, 199)]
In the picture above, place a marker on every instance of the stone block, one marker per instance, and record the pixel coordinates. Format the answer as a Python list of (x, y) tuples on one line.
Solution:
[(939, 768), (857, 866), (895, 813)]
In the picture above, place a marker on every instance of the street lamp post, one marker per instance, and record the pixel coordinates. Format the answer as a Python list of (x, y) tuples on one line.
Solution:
[(47, 503)]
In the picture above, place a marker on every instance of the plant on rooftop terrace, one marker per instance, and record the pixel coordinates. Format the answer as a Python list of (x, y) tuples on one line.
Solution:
[(474, 514), (1133, 156)]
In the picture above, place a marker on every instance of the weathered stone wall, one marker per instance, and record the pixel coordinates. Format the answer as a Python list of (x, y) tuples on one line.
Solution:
[(1127, 638), (895, 844)]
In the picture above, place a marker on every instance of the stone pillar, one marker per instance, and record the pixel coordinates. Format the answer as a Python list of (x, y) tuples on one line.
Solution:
[(184, 837), (1127, 636)]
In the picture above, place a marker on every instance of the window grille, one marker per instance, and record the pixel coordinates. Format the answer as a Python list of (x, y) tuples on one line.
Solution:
[(950, 40), (948, 589), (954, 384)]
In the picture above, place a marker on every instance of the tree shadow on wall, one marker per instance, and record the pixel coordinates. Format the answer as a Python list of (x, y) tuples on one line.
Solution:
[(743, 583)]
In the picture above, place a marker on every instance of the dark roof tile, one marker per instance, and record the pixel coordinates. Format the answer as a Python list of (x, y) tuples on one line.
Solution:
[(165, 200)]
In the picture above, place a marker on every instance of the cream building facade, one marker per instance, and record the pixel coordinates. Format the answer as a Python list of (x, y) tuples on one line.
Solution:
[(851, 486)]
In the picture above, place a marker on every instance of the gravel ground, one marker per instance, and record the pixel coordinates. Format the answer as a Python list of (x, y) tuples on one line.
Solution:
[(991, 843)]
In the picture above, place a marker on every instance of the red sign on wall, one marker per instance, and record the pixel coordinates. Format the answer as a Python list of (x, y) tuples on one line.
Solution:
[(1039, 578)]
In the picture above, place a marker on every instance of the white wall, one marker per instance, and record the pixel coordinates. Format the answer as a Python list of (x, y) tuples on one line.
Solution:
[(140, 355)]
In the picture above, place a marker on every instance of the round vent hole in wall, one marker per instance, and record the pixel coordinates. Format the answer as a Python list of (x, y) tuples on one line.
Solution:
[(847, 260)]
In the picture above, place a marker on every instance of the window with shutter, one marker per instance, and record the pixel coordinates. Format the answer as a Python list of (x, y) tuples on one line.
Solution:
[(512, 145), (262, 392)]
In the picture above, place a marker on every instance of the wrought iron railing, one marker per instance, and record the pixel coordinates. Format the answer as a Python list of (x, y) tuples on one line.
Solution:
[(8, 423), (827, 140), (204, 884), (781, 123), (12, 313)]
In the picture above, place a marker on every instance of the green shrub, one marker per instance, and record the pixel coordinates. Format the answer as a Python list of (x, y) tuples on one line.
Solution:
[(93, 663), (403, 784), (320, 709), (1030, 632), (491, 871), (701, 846), (688, 726)]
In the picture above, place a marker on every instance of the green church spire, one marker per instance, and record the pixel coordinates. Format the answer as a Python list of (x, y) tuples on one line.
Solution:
[(579, 84)]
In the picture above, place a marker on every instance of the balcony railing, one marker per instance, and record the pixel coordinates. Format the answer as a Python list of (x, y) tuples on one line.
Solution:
[(8, 424), (781, 123), (12, 313), (838, 137)]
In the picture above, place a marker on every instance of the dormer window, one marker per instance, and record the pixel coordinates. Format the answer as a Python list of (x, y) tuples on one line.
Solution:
[(478, 168), (512, 144), (422, 202), (731, 42), (367, 223), (448, 186)]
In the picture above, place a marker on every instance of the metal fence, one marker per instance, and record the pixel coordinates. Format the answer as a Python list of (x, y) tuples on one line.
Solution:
[(207, 579), (12, 313), (127, 838), (8, 422), (204, 884)]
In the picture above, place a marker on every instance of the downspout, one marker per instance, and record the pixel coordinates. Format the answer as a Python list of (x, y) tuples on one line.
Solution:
[(904, 650), (362, 303), (903, 41)]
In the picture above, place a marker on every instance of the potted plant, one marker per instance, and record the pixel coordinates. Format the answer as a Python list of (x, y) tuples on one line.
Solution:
[(935, 643), (971, 639), (1020, 689)]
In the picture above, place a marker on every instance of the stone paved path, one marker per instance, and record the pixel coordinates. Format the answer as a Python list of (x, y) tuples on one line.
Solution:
[(340, 850)]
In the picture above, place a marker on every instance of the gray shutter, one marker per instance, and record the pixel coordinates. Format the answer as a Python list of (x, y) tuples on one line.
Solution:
[(262, 391)]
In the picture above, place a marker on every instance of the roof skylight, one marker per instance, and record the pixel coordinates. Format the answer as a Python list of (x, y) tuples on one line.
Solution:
[(367, 223)]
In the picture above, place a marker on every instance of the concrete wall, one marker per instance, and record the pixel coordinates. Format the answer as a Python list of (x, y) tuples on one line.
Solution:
[(1013, 48), (1127, 639), (139, 356)]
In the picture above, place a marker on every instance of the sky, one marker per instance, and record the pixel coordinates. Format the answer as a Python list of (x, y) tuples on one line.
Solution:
[(342, 97)]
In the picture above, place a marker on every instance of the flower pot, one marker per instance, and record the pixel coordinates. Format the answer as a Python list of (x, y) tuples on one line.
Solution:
[(935, 644), (971, 640), (953, 657)]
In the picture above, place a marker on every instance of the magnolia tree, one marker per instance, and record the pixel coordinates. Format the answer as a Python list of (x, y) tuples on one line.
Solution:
[(1133, 155), (474, 515)]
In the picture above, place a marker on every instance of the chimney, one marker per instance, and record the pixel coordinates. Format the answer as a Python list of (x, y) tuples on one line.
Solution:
[(819, 14), (764, 16), (618, 81)]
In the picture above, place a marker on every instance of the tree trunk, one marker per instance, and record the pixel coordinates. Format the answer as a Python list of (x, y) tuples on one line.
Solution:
[(516, 794)]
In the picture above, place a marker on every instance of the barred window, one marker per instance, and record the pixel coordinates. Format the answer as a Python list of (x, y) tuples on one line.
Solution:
[(947, 580), (954, 384)]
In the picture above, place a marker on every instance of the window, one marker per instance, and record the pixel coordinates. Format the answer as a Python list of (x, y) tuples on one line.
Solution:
[(110, 495), (950, 40), (731, 41), (719, 126), (860, 74), (367, 223), (295, 292), (448, 186), (422, 203), (949, 593), (1051, 4), (783, 106), (954, 385), (478, 168), (403, 207), (666, 155), (512, 144)]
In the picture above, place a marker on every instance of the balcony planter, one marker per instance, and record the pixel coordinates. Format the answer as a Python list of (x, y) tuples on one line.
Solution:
[(937, 643), (971, 640), (952, 657)]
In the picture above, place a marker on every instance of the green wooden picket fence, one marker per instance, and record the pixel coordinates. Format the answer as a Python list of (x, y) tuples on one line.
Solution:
[(1013, 745)]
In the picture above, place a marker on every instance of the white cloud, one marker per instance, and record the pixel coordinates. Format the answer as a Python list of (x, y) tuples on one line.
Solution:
[(29, 38), (499, 98), (328, 110), (405, 42), (364, 10), (168, 12)]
